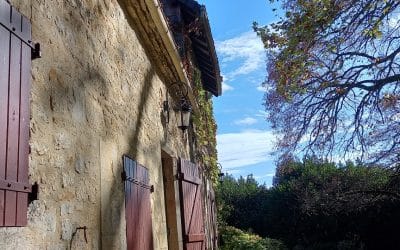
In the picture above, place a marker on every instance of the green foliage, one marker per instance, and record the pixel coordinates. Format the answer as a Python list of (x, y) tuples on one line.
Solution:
[(239, 203), (205, 129), (315, 204), (319, 205), (233, 238), (236, 239)]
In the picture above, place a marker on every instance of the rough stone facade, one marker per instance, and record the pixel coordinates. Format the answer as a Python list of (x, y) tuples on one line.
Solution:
[(97, 94)]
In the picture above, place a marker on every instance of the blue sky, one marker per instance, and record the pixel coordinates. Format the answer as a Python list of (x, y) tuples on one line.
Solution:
[(244, 138)]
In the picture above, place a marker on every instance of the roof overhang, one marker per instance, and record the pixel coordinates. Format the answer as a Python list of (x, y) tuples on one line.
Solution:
[(154, 33), (203, 45)]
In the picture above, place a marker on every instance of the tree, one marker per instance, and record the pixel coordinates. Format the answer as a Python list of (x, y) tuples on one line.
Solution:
[(334, 78), (315, 204), (240, 203), (320, 205)]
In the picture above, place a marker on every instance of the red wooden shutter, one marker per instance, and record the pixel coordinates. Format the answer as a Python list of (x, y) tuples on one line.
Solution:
[(15, 78), (139, 232), (190, 184)]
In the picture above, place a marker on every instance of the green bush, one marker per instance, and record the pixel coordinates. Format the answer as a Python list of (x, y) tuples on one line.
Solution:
[(236, 239)]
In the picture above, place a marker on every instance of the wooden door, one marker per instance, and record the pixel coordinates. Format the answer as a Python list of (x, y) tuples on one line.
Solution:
[(191, 200)]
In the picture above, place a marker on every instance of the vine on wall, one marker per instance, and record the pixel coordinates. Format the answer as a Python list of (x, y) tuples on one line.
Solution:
[(205, 129)]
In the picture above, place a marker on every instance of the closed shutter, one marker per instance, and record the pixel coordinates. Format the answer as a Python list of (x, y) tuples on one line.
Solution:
[(15, 78), (191, 199), (139, 232)]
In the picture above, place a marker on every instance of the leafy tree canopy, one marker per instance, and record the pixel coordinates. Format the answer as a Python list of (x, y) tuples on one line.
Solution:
[(320, 205), (239, 203), (333, 77), (316, 204)]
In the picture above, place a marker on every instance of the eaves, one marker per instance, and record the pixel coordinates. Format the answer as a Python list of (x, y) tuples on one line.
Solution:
[(151, 26)]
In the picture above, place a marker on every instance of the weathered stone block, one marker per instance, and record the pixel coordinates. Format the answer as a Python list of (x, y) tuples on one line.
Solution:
[(66, 209), (66, 229)]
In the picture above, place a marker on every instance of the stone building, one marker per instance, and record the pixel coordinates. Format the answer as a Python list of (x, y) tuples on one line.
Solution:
[(93, 154)]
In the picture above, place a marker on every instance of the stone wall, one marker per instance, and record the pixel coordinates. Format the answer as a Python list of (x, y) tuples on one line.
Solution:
[(96, 95)]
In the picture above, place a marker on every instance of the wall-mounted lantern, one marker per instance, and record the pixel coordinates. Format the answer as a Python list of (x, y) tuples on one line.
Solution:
[(183, 109)]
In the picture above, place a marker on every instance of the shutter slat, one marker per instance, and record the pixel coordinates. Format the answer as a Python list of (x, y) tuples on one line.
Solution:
[(133, 203), (148, 223), (16, 20), (139, 209), (195, 237), (5, 12), (4, 68), (13, 127), (26, 29), (22, 198), (135, 210), (143, 211), (24, 114), (128, 202)]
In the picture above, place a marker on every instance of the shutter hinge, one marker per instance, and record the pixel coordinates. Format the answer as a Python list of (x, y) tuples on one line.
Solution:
[(36, 51), (33, 196), (123, 176), (179, 176)]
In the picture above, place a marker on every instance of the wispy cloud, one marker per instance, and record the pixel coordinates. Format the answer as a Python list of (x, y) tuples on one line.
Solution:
[(264, 175), (261, 113), (225, 85), (234, 171), (247, 49), (246, 121), (237, 150)]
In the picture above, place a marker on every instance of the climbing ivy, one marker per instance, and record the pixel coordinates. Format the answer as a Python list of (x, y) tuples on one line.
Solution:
[(205, 129)]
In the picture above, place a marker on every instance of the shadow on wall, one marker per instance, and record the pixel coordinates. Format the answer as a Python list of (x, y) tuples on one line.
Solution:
[(64, 100), (113, 210), (78, 103)]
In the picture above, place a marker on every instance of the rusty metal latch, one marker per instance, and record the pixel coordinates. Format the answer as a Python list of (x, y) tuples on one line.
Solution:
[(33, 195), (137, 182), (36, 51)]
